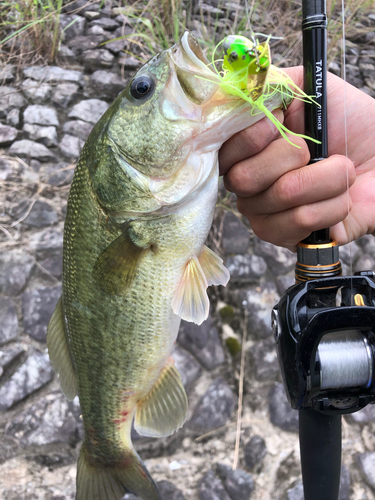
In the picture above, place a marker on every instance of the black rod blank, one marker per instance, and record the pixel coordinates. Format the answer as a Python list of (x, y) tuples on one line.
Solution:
[(320, 442)]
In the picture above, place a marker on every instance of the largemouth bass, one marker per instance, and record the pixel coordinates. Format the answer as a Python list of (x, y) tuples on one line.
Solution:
[(140, 207)]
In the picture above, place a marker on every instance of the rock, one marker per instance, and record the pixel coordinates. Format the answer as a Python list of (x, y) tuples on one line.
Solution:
[(296, 493), (66, 55), (168, 491), (238, 483), (255, 450), (37, 308), (9, 99), (283, 283), (367, 243), (366, 464), (65, 94), (79, 5), (116, 46), (30, 376), (214, 408), (31, 149), (41, 214), (98, 30), (349, 253), (364, 416), (279, 260), (259, 301), (89, 111), (44, 135), (344, 492), (8, 168), (56, 174), (210, 10), (53, 265), (88, 42), (78, 128), (236, 237), (211, 488), (364, 263), (49, 420), (367, 69), (90, 15), (7, 356), (334, 68), (97, 59), (203, 342), (354, 76), (107, 84), (15, 269), (41, 115), (54, 74), (35, 91), (246, 267), (8, 319), (281, 413), (7, 134), (71, 146), (7, 74), (264, 360), (13, 117), (72, 25), (187, 365), (129, 62), (46, 243), (105, 23)]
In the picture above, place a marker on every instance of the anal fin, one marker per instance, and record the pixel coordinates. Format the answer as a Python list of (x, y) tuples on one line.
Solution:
[(163, 410), (215, 271), (190, 301), (58, 350)]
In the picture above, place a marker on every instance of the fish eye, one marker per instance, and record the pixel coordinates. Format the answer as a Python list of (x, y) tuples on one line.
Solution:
[(141, 86)]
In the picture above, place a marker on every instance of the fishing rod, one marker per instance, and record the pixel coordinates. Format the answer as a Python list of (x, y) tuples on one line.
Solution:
[(324, 325)]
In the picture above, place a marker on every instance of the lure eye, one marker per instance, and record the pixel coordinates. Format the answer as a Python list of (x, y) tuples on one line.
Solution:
[(141, 87)]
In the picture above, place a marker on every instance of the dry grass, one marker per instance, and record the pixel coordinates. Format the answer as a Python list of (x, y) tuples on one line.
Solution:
[(32, 31)]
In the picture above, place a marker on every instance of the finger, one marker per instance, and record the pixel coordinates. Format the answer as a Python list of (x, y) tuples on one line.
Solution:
[(312, 183), (287, 228), (254, 175), (248, 142)]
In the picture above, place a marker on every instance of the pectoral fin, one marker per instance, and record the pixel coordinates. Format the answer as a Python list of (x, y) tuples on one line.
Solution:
[(190, 301), (58, 350), (163, 410), (116, 266), (215, 271)]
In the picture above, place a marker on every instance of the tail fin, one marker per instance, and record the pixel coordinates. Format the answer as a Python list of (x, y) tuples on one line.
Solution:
[(112, 482)]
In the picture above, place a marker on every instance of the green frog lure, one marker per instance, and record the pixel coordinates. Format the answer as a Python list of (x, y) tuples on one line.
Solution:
[(247, 72)]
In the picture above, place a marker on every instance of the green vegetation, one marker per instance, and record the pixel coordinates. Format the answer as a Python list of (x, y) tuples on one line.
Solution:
[(233, 346), (31, 27), (30, 30)]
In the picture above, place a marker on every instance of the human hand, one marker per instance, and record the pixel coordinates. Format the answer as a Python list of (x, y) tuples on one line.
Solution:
[(285, 199)]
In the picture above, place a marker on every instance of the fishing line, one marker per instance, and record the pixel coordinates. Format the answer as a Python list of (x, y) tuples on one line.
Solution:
[(343, 75)]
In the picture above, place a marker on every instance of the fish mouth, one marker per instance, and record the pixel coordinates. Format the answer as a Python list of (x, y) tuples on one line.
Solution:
[(197, 80)]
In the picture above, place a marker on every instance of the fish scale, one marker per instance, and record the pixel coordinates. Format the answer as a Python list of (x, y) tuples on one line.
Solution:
[(123, 333), (141, 204)]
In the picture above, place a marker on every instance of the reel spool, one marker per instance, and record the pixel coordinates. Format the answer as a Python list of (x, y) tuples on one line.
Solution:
[(325, 335)]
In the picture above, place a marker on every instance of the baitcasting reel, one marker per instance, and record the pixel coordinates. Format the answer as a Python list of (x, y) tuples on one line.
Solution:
[(325, 335)]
